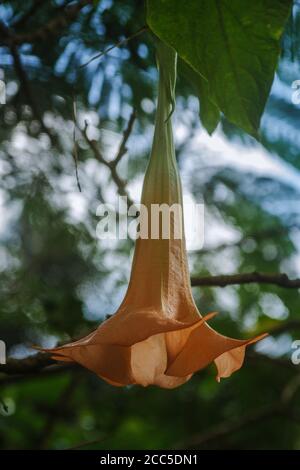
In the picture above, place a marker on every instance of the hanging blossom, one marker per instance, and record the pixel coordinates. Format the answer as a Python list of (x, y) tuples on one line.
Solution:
[(157, 336)]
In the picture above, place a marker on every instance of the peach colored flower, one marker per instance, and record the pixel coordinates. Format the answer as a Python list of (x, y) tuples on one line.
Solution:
[(157, 336)]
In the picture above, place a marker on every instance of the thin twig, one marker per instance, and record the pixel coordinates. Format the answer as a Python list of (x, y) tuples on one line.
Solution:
[(111, 165), (118, 44), (75, 146), (126, 134)]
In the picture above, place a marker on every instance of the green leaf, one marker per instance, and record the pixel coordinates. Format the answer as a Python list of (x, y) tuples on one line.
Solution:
[(209, 112), (233, 44)]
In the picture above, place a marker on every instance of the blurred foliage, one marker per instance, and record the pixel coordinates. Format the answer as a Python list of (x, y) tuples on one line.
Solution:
[(58, 281)]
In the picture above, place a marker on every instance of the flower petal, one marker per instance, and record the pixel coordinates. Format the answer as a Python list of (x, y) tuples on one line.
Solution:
[(205, 345)]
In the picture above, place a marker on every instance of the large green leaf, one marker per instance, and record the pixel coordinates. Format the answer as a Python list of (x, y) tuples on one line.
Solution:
[(209, 112), (233, 44)]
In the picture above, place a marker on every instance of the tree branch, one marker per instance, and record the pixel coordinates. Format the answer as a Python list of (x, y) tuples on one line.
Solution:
[(33, 364), (25, 85), (112, 165), (255, 358), (21, 21), (28, 365), (278, 279), (127, 132), (47, 371), (54, 26), (24, 81)]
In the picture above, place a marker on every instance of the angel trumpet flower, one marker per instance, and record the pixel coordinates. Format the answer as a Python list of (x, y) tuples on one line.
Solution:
[(157, 336)]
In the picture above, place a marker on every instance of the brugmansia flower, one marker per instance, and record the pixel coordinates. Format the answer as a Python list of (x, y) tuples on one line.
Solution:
[(157, 336)]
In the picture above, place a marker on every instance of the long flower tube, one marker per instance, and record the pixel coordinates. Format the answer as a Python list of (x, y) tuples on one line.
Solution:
[(157, 336)]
